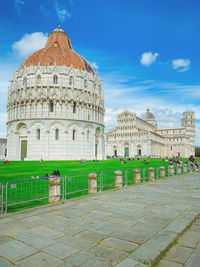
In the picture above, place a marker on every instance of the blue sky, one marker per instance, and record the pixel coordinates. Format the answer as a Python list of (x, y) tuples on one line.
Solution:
[(146, 52)]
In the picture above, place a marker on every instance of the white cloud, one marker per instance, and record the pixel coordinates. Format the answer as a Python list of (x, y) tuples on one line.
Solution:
[(30, 43), (148, 58), (62, 12), (181, 64), (18, 5)]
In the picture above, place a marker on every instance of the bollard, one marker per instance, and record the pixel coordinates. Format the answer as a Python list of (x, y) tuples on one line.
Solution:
[(171, 170), (118, 179), (137, 176), (54, 189), (185, 168), (162, 171), (179, 168), (151, 173), (92, 183)]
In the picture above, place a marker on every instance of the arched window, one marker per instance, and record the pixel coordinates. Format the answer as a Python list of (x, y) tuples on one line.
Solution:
[(38, 134), (55, 79), (74, 107), (88, 135), (71, 80), (51, 107), (39, 79), (85, 84), (73, 135), (57, 134)]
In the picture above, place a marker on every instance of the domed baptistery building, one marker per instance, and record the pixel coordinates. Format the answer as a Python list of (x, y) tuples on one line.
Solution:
[(55, 105)]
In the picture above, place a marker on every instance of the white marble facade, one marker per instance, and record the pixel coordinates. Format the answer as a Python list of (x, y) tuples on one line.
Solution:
[(3, 148), (134, 136), (55, 113)]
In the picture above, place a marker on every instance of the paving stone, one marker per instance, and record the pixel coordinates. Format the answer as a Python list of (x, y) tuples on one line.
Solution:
[(165, 263), (34, 239), (15, 250), (60, 250), (79, 258), (110, 254), (47, 232), (4, 239), (97, 262), (130, 263), (90, 236), (190, 239), (178, 254), (40, 259), (134, 236), (120, 244), (152, 249), (76, 242), (5, 263)]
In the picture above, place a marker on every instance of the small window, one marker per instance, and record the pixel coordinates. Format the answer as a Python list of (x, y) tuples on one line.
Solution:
[(69, 44), (88, 135), (55, 44), (57, 134), (39, 79), (38, 134), (88, 116), (51, 107), (55, 79), (71, 80), (74, 107), (73, 135), (85, 84), (25, 81)]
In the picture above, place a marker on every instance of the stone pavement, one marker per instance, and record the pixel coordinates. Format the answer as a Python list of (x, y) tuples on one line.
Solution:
[(133, 226), (187, 251)]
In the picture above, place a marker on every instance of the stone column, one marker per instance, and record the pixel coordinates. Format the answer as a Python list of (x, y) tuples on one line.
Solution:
[(171, 170), (162, 171), (118, 179), (137, 176), (54, 189), (92, 183), (179, 168), (185, 168), (151, 173)]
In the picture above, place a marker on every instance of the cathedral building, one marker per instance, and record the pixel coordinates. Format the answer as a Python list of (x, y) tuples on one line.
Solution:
[(55, 106), (134, 136)]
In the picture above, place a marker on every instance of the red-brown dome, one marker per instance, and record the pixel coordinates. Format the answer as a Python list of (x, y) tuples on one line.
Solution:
[(58, 51)]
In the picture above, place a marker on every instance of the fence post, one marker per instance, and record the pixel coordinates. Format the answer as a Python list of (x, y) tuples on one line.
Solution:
[(162, 171), (171, 170), (185, 168), (151, 173), (92, 183), (179, 168), (137, 176), (54, 189), (118, 179)]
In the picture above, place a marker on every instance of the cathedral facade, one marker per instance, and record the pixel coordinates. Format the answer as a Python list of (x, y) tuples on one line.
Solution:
[(55, 106), (134, 136)]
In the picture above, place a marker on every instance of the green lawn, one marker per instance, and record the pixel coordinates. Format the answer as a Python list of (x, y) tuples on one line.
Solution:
[(29, 190)]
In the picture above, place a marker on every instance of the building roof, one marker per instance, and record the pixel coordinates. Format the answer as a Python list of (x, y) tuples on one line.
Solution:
[(148, 115), (57, 51)]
